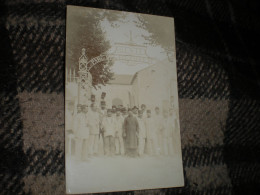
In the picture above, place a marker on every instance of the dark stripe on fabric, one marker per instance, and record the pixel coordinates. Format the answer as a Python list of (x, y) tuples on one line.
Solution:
[(11, 184), (40, 55), (221, 190), (42, 162), (39, 10), (13, 160), (242, 153), (202, 156), (245, 177), (243, 125), (200, 76)]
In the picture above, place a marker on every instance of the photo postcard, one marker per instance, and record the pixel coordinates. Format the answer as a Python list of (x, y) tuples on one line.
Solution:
[(122, 128)]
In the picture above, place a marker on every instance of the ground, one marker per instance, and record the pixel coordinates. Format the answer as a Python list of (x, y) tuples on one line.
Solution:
[(120, 173)]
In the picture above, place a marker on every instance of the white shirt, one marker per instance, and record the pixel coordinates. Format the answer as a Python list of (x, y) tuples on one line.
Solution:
[(168, 124), (93, 122), (150, 128), (142, 129), (158, 122), (80, 126), (119, 121), (108, 124)]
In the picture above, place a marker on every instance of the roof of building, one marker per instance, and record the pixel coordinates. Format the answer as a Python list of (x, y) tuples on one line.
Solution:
[(122, 79), (146, 68)]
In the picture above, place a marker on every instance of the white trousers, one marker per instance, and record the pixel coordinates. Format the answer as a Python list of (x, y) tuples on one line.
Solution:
[(160, 142), (81, 149), (152, 146), (141, 145), (93, 144), (168, 146), (119, 143)]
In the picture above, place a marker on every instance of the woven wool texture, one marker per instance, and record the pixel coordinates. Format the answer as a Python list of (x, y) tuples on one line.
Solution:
[(218, 84)]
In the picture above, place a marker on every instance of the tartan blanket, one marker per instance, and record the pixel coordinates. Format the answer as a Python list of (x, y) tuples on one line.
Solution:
[(218, 84)]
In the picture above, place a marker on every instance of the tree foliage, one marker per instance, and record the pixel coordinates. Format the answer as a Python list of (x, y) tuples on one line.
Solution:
[(161, 30), (84, 31)]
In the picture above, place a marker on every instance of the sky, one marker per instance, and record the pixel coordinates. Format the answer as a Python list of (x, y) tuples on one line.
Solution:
[(121, 34)]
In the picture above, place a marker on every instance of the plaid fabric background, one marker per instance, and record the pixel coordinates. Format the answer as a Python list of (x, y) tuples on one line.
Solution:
[(218, 81)]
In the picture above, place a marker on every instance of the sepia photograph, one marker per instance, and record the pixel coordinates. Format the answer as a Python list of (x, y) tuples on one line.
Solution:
[(122, 128)]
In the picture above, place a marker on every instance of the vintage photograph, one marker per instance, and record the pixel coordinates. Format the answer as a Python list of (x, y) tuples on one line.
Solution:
[(122, 128)]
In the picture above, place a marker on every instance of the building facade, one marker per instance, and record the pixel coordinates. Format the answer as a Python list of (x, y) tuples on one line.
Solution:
[(152, 86)]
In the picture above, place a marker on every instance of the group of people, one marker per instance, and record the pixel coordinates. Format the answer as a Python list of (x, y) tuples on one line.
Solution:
[(117, 131)]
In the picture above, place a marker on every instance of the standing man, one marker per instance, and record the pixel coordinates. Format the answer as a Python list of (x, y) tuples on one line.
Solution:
[(93, 123), (102, 114), (119, 143), (141, 134), (158, 125), (167, 134), (152, 144), (69, 135), (131, 129), (81, 132), (108, 126)]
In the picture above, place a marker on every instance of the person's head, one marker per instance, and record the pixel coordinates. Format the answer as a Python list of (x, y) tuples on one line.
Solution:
[(130, 113), (109, 112), (94, 107), (135, 110), (85, 108), (157, 110), (140, 113), (79, 108), (143, 107), (118, 113), (149, 114), (114, 109)]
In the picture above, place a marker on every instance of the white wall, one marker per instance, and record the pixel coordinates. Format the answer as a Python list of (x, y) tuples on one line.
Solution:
[(155, 85), (114, 91)]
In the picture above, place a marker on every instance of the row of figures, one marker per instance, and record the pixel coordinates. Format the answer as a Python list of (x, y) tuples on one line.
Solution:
[(133, 132)]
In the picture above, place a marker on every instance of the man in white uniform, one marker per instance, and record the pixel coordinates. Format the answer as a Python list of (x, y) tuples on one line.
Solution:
[(81, 132), (152, 144), (167, 134), (141, 133), (108, 126), (158, 124), (93, 123), (119, 143), (69, 135)]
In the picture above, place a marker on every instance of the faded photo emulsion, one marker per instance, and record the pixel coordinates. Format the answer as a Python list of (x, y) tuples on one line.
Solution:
[(122, 127)]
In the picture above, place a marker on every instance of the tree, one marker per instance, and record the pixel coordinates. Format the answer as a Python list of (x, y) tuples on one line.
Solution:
[(84, 31), (161, 30)]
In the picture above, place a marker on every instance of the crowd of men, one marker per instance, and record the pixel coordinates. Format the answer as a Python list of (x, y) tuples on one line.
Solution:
[(120, 131)]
